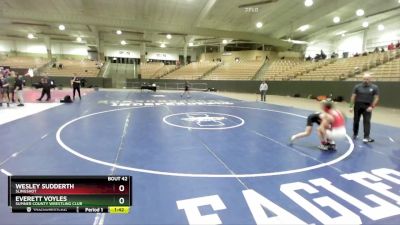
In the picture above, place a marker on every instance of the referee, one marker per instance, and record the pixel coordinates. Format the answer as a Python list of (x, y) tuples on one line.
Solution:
[(363, 100)]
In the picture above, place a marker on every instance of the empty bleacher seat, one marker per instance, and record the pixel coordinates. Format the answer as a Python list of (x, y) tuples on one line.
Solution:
[(23, 62), (84, 68), (192, 71), (244, 70)]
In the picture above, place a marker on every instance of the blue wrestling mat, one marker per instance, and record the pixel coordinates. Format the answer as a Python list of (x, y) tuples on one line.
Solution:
[(204, 160)]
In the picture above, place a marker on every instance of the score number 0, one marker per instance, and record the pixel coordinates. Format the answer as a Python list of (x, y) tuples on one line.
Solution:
[(121, 188)]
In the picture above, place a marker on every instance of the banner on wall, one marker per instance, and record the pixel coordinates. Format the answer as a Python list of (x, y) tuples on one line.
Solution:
[(123, 53), (162, 56)]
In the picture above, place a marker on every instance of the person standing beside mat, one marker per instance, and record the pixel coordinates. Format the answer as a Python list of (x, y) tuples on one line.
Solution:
[(45, 83), (76, 86), (263, 90), (19, 83), (364, 99), (186, 90)]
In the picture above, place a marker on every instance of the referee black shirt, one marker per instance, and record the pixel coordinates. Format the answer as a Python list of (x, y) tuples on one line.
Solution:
[(365, 92)]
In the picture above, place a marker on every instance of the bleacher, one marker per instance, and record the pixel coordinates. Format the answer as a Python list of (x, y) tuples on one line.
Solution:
[(192, 71), (85, 68), (23, 62), (278, 69), (344, 68), (244, 70), (149, 70), (302, 68), (389, 71), (164, 70)]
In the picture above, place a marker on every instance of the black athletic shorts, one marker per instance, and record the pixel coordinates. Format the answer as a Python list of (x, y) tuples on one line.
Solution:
[(313, 118)]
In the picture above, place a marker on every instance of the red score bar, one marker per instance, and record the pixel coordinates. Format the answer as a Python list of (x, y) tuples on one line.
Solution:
[(84, 189)]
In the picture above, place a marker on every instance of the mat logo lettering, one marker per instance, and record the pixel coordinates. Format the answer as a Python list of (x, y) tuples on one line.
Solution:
[(203, 120), (161, 102), (376, 199)]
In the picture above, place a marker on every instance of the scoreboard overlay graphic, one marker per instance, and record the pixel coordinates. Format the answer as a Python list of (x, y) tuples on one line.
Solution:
[(88, 194)]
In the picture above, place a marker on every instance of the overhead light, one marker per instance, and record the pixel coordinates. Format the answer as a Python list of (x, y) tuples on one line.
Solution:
[(169, 36), (163, 45), (336, 19), (299, 42), (360, 12), (61, 27), (224, 41), (304, 28), (31, 36), (78, 39), (295, 41), (119, 32), (259, 24), (344, 34), (308, 3), (123, 42), (365, 24), (190, 44), (381, 27)]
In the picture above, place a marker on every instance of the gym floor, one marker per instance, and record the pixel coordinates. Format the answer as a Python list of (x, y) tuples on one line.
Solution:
[(207, 159)]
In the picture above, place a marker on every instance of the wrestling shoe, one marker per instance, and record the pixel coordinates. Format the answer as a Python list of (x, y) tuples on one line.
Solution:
[(368, 140), (291, 140), (331, 147), (323, 147)]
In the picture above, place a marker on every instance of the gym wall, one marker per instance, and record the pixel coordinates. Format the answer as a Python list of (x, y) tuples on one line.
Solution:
[(303, 88)]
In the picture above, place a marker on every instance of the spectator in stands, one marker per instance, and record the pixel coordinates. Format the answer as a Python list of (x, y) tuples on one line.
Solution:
[(11, 81), (356, 55), (364, 99), (46, 86), (19, 83), (60, 66), (263, 90), (382, 50), (76, 86), (398, 45), (323, 55), (308, 58), (365, 53), (391, 47)]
